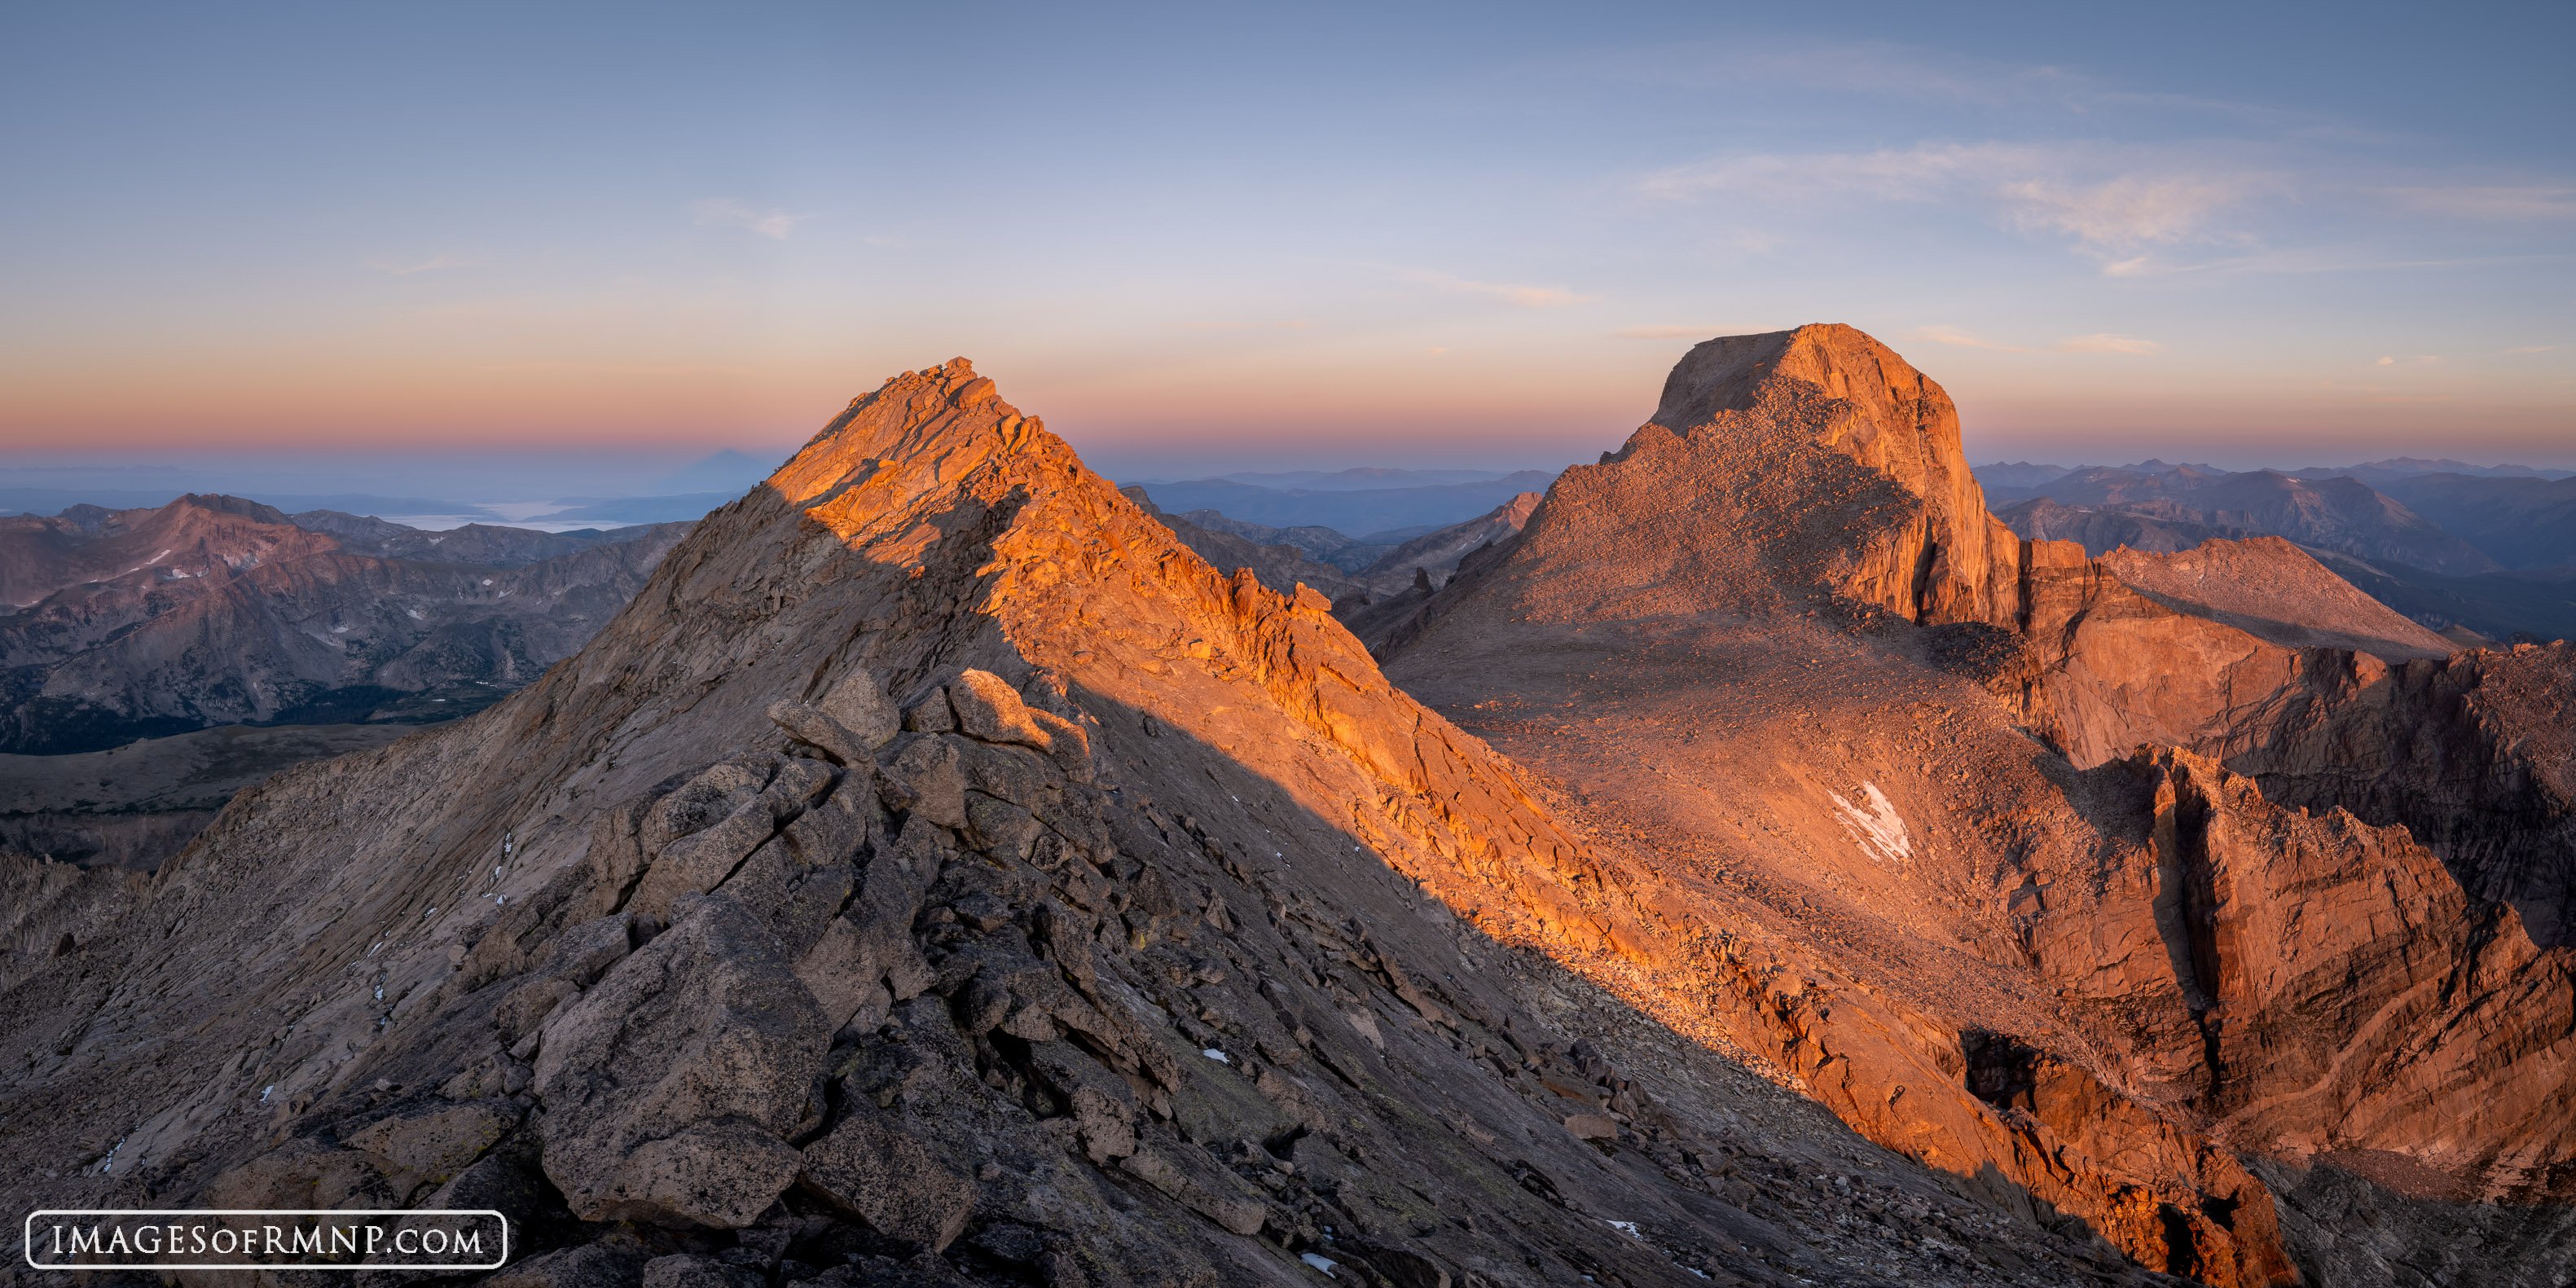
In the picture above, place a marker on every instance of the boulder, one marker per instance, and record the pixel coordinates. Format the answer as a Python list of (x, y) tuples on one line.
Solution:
[(893, 1181), (991, 710), (666, 1088)]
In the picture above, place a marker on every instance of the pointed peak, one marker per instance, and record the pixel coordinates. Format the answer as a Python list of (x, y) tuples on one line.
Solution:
[(939, 422)]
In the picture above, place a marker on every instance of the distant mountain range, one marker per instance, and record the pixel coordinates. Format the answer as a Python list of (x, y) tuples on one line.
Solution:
[(1385, 516), (2448, 544), (214, 610)]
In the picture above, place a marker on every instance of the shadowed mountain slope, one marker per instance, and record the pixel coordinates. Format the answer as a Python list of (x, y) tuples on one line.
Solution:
[(2520, 522)]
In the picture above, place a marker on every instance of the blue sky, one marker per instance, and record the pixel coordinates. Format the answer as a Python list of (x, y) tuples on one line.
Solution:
[(1283, 237)]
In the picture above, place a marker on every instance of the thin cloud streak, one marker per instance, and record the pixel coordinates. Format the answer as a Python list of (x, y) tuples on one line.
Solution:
[(2144, 200), (724, 212)]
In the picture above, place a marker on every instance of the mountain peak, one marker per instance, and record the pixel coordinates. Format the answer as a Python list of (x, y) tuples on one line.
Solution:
[(916, 431), (1774, 424)]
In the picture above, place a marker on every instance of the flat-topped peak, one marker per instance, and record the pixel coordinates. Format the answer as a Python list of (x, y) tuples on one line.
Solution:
[(1737, 373)]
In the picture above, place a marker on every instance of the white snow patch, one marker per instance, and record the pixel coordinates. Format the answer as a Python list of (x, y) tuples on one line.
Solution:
[(1628, 1228), (1219, 1056), (1324, 1264), (416, 616), (1877, 829), (487, 581), (339, 630)]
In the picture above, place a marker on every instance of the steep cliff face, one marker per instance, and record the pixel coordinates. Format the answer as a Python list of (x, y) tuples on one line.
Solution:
[(940, 875), (2106, 990), (2474, 755)]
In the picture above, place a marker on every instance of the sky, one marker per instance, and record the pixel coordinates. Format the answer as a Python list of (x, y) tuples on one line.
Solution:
[(1202, 238)]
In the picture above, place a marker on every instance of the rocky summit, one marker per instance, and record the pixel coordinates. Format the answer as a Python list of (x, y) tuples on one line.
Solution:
[(1755, 865)]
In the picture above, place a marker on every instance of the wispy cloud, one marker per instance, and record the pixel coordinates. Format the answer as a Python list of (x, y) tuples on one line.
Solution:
[(2129, 211), (2099, 342), (2538, 202), (1518, 296), (2420, 359), (427, 265), (725, 212), (2111, 201)]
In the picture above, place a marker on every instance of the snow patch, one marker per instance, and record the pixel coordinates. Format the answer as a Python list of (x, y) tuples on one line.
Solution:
[(1324, 1264), (415, 615), (1628, 1228), (1878, 830), (1219, 1056)]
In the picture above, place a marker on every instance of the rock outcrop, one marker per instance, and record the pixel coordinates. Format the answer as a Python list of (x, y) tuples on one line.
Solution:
[(938, 874)]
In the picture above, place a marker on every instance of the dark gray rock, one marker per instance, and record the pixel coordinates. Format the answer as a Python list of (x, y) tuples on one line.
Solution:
[(667, 1088)]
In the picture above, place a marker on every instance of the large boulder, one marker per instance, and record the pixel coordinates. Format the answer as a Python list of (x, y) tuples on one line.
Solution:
[(667, 1088), (898, 1184)]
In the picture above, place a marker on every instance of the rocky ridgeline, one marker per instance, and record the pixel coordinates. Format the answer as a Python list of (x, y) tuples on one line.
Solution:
[(939, 875)]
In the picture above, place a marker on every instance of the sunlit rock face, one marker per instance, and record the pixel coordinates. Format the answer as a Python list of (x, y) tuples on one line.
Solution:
[(1993, 895)]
